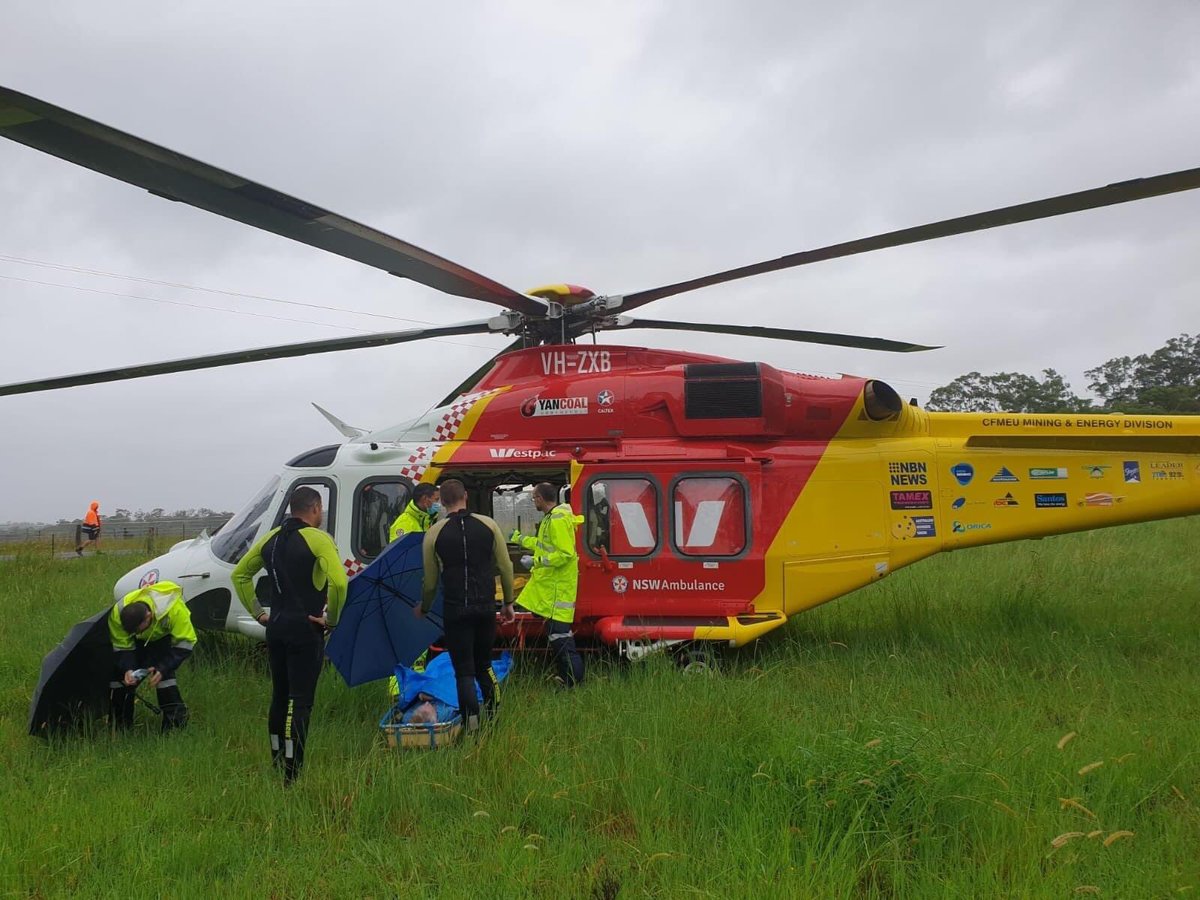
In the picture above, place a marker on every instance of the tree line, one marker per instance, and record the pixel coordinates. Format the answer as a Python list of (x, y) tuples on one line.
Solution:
[(1166, 381)]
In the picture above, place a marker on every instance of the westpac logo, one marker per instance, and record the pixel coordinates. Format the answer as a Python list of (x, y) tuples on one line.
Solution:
[(516, 453)]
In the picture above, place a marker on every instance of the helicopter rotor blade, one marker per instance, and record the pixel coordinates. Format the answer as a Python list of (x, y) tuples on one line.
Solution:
[(785, 334), (236, 357), (1110, 195), (474, 378), (163, 172)]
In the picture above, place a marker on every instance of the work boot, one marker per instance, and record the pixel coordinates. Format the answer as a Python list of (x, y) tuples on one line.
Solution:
[(79, 551)]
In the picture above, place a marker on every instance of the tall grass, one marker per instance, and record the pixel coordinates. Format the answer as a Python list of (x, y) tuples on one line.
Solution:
[(912, 740)]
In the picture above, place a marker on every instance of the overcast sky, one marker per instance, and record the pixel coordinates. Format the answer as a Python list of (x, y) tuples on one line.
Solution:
[(617, 145)]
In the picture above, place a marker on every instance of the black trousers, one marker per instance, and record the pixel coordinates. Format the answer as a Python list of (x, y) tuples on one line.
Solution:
[(295, 657), (170, 701), (470, 636), (566, 655)]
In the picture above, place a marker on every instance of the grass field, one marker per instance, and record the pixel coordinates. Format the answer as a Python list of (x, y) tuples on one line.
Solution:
[(912, 740)]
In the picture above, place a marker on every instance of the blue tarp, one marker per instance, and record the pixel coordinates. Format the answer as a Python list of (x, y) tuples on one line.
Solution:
[(438, 680), (377, 630)]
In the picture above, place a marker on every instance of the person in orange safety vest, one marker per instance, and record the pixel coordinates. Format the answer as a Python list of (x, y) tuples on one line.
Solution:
[(90, 528)]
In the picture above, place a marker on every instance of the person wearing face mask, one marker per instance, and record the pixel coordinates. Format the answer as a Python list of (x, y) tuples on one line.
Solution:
[(553, 565), (419, 515)]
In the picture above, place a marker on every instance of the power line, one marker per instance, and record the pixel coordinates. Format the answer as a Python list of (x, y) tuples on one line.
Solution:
[(191, 287), (237, 312)]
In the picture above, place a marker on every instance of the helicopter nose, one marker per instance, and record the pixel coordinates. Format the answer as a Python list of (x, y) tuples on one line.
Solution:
[(161, 568)]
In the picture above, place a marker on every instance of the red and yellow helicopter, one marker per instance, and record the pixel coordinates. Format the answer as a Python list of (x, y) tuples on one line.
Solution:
[(719, 497)]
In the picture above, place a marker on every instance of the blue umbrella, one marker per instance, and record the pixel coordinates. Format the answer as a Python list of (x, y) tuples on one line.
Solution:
[(377, 630)]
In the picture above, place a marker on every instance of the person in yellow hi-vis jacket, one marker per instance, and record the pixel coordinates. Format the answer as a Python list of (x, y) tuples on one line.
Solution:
[(418, 517), (553, 565), (152, 634), (307, 586), (420, 514)]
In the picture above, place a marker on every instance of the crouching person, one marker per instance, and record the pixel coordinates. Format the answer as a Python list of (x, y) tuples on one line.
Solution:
[(151, 629)]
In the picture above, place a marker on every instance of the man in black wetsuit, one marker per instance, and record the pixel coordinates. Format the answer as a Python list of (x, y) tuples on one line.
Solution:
[(307, 586), (466, 550)]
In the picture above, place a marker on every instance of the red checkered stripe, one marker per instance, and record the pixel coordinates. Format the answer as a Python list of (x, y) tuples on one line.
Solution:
[(446, 430), (418, 461)]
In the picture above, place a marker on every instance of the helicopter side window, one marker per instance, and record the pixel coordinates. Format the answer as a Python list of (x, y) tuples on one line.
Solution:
[(328, 493), (709, 515), (376, 505), (621, 516), (235, 537)]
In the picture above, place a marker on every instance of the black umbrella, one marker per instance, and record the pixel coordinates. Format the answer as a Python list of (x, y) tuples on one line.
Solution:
[(75, 676)]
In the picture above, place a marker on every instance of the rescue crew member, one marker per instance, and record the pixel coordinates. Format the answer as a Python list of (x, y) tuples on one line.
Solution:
[(418, 516), (467, 549), (420, 513), (151, 629), (306, 586), (553, 565), (90, 528)]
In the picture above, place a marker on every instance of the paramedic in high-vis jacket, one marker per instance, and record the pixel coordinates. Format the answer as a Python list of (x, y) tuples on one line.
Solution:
[(152, 634), (553, 565)]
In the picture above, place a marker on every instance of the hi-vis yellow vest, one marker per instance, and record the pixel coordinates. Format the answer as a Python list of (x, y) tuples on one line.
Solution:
[(171, 616), (554, 579)]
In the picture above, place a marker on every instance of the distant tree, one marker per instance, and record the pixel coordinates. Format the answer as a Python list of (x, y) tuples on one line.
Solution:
[(1007, 392), (1165, 381), (156, 513), (121, 515)]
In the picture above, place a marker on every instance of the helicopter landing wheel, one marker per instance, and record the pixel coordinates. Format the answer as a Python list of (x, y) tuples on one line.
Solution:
[(695, 660)]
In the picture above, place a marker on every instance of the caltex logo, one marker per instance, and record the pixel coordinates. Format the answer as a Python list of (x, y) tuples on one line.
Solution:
[(620, 584), (605, 398)]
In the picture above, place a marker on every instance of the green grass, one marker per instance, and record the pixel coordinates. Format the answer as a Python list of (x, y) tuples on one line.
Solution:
[(900, 742)]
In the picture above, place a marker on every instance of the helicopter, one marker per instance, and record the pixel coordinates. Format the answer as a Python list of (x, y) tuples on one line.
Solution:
[(719, 497)]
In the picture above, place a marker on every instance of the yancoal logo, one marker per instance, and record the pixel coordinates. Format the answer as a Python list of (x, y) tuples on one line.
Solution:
[(150, 577), (620, 584), (555, 406), (963, 473), (517, 453)]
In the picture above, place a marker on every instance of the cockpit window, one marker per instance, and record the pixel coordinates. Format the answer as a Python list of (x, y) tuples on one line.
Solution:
[(236, 536), (379, 501)]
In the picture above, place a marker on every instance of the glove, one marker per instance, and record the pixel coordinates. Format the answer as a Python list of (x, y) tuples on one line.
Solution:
[(527, 561), (515, 537)]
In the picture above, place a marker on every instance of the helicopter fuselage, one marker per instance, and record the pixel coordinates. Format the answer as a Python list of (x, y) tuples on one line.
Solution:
[(719, 497)]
